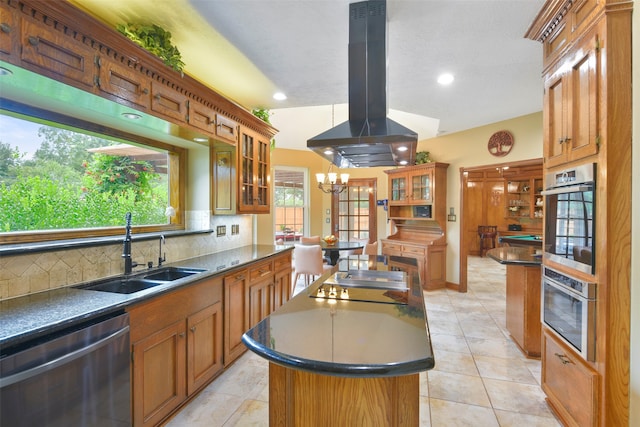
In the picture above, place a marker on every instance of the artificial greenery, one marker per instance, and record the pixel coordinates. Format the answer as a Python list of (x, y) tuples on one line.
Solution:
[(156, 40), (423, 157), (263, 114)]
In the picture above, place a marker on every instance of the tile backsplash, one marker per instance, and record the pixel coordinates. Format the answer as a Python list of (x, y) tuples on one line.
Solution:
[(26, 274)]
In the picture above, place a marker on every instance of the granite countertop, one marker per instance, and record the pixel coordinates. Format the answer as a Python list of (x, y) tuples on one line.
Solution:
[(33, 316), (355, 337), (516, 255)]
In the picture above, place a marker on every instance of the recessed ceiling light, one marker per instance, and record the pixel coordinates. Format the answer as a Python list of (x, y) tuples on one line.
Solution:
[(445, 79), (131, 116), (279, 96), (402, 148), (5, 71)]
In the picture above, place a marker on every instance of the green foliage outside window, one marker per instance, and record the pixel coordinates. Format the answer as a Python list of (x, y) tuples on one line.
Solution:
[(65, 186)]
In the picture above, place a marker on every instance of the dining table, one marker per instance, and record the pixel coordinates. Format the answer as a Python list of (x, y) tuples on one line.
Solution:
[(332, 251)]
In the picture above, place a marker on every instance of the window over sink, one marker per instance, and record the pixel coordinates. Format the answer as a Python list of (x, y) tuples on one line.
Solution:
[(60, 182)]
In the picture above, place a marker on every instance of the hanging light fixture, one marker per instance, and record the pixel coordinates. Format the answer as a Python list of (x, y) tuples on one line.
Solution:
[(329, 183)]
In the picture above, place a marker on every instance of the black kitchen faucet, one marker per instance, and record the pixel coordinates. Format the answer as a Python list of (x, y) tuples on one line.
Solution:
[(126, 246)]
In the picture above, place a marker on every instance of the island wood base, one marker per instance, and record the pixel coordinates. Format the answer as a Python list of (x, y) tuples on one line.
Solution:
[(300, 398), (523, 308)]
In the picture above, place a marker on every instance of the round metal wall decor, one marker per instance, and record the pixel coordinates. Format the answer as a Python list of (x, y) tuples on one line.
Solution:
[(500, 143)]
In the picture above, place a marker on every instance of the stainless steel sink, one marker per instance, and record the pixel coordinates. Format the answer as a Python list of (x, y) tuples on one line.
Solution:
[(170, 274), (122, 286), (140, 282)]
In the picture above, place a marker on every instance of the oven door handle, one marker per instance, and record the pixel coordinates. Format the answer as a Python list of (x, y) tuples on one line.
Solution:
[(569, 189)]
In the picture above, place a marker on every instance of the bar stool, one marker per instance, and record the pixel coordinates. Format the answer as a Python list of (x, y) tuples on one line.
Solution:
[(487, 234)]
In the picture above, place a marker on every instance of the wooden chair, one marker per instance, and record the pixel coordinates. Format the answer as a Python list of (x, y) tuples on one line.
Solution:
[(487, 235), (308, 260)]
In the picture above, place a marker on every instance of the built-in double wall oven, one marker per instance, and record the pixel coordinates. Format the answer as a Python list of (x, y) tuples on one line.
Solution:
[(569, 303), (569, 309), (570, 217)]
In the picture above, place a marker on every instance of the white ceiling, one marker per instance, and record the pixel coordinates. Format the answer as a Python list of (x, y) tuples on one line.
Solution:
[(256, 47)]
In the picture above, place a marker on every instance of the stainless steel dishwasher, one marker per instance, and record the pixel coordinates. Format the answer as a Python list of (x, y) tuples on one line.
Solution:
[(76, 377)]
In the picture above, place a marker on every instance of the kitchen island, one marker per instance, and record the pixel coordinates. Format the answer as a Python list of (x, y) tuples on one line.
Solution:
[(348, 352), (523, 295)]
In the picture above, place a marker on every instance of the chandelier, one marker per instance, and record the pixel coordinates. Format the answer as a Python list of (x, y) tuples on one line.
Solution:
[(328, 183)]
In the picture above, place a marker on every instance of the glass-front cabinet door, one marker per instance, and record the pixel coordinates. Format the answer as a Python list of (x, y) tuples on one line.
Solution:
[(253, 194), (398, 193), (421, 184)]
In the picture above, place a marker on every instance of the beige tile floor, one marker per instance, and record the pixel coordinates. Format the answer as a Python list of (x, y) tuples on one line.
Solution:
[(481, 379)]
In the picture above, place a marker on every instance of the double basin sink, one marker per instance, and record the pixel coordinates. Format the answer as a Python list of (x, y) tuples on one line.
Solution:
[(140, 282)]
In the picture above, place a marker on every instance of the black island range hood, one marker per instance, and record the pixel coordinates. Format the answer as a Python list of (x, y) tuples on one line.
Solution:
[(369, 138)]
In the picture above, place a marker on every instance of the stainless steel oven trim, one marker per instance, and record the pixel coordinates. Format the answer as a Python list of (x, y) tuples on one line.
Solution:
[(570, 189), (588, 320)]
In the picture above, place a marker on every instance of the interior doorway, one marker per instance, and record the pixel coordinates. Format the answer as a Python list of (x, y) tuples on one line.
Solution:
[(483, 203)]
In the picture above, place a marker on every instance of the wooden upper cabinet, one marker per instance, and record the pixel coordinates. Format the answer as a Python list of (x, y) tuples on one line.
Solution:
[(226, 129), (571, 105), (413, 187), (567, 27), (57, 55), (8, 33), (222, 128), (124, 83), (168, 102), (253, 172)]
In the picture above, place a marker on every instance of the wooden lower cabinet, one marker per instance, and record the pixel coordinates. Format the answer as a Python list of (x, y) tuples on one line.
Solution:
[(159, 381), (183, 339), (204, 346), (523, 307), (432, 260), (571, 385), (236, 314), (176, 348)]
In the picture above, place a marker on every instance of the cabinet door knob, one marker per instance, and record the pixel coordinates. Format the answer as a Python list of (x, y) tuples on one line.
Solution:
[(33, 40), (5, 28), (145, 91), (193, 329), (181, 334)]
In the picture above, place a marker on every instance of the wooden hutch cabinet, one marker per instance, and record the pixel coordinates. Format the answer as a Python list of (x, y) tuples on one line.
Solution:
[(417, 208)]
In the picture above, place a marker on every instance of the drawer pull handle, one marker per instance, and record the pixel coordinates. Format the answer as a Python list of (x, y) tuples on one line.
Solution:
[(6, 28), (563, 358), (240, 277), (33, 40)]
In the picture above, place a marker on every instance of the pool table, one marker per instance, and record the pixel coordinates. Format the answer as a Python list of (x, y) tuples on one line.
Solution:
[(522, 240)]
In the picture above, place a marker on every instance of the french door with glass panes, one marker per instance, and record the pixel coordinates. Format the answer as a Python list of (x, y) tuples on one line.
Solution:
[(353, 211)]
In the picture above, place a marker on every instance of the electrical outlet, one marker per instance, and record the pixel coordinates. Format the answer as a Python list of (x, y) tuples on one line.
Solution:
[(221, 230), (235, 229)]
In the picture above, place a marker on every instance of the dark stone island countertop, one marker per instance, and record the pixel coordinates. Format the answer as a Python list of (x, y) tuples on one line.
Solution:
[(353, 337), (516, 255), (30, 317)]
